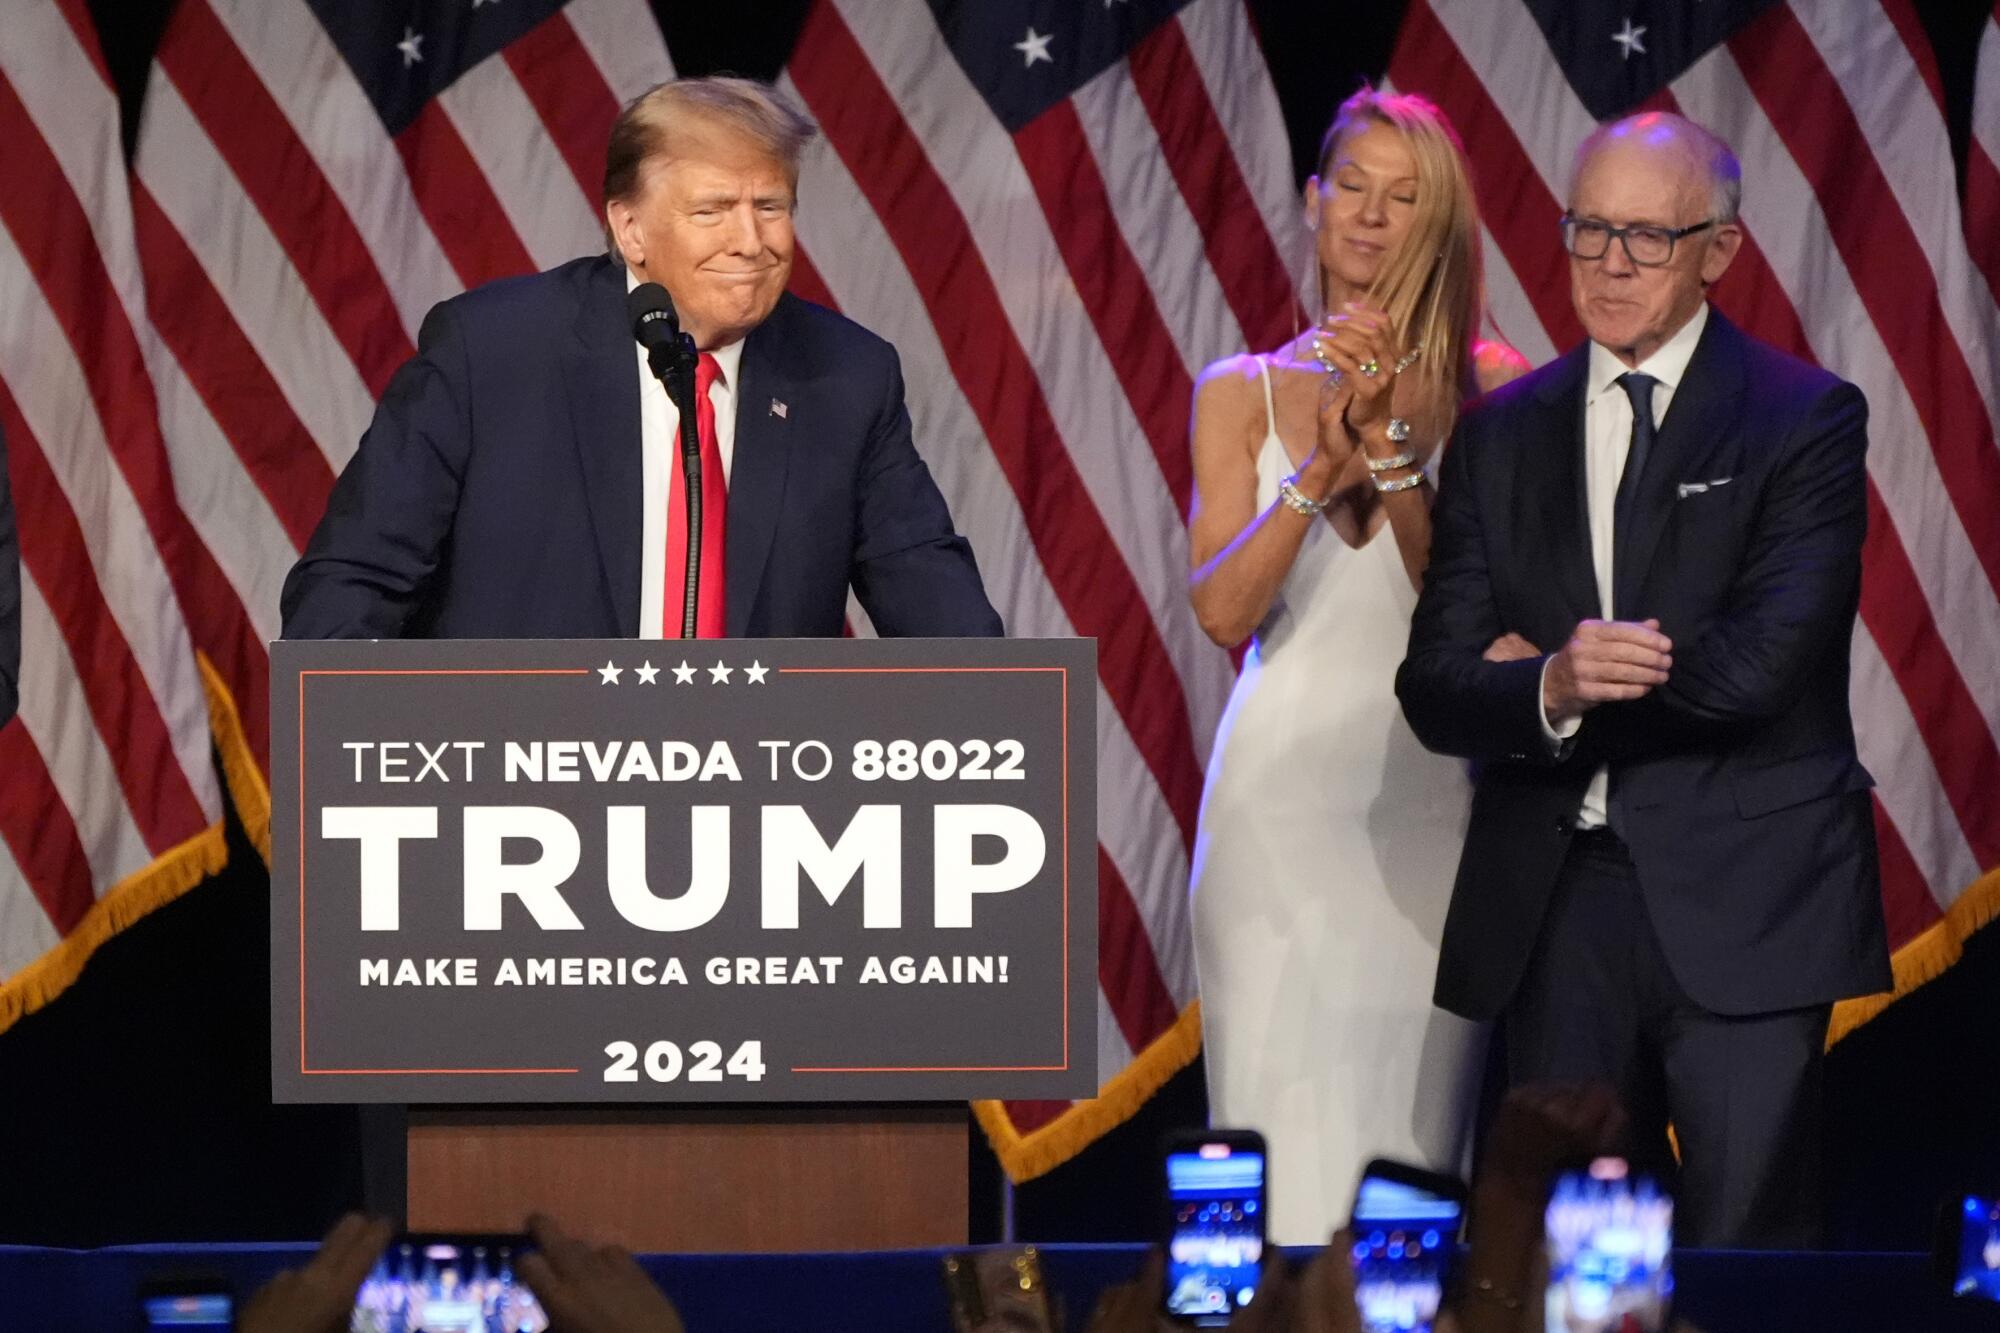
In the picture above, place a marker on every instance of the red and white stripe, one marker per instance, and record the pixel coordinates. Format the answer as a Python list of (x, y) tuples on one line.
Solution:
[(1858, 259), (107, 763)]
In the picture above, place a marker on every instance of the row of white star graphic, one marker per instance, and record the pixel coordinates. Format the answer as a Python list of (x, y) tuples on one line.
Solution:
[(413, 41), (683, 674)]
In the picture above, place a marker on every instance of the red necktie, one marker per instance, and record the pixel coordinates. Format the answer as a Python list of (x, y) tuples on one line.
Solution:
[(708, 616)]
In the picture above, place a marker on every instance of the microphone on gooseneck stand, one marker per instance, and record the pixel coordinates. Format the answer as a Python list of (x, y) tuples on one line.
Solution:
[(671, 354)]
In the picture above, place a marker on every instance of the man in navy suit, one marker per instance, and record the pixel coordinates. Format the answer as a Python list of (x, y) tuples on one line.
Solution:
[(1670, 872), (521, 478)]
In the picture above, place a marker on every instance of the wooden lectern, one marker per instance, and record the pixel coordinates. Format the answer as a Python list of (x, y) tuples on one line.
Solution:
[(689, 1180)]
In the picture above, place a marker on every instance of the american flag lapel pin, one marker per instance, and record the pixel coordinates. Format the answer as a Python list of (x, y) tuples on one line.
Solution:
[(778, 409)]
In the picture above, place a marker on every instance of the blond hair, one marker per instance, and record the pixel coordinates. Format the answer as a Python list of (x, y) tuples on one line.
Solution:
[(658, 123), (1433, 286)]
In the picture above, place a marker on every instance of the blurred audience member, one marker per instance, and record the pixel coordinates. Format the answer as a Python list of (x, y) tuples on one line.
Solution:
[(583, 1288), (319, 1298), (593, 1288)]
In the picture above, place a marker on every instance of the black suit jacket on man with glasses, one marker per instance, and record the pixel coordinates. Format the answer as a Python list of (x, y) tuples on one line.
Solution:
[(1735, 788)]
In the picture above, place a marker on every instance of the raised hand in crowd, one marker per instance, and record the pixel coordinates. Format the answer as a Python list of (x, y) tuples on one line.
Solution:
[(319, 1297), (589, 1288), (1000, 1291), (1318, 1298), (1134, 1306), (1539, 1130)]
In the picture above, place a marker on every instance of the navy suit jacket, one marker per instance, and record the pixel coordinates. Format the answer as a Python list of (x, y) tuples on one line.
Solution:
[(497, 492), (1735, 785)]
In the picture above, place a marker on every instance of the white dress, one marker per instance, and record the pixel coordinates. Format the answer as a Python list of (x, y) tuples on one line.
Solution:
[(1323, 865)]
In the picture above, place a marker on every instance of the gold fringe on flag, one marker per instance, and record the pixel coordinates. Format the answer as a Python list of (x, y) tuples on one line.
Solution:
[(244, 776), (1025, 1156), (167, 878), (1927, 956)]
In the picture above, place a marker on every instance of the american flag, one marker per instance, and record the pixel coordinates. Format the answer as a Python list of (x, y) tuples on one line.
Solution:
[(1058, 213)]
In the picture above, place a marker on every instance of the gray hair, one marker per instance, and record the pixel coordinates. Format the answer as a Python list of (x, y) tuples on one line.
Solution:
[(652, 123), (1704, 146)]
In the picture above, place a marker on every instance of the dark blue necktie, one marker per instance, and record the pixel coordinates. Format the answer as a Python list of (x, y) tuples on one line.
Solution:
[(1639, 388)]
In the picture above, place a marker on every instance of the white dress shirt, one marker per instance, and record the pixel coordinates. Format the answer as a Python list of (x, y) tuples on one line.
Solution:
[(660, 446), (1607, 438)]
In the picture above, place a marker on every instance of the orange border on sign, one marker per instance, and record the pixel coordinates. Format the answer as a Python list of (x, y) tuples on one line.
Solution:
[(1063, 672), (386, 671), (973, 1069)]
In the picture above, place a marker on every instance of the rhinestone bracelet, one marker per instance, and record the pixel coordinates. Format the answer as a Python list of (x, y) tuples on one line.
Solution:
[(1399, 484), (1297, 500)]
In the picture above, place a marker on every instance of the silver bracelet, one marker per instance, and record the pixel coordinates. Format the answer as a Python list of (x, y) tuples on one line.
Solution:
[(1399, 484), (1403, 459), (1297, 500)]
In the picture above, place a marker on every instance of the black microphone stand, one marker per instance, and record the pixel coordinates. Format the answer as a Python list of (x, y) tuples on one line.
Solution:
[(674, 362)]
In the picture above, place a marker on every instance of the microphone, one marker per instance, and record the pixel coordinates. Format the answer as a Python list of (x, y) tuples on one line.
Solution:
[(671, 353), (657, 326)]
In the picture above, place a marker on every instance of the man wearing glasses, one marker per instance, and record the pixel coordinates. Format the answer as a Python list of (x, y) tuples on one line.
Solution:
[(1670, 872)]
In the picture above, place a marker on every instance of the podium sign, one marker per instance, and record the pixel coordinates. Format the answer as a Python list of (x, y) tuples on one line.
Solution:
[(655, 871)]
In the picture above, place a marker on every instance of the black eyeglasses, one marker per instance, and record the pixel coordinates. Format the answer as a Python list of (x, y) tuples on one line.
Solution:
[(1646, 245)]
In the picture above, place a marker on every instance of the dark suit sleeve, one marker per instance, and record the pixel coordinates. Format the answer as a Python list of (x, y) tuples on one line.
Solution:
[(10, 600), (1457, 702), (1794, 601), (366, 568), (914, 574)]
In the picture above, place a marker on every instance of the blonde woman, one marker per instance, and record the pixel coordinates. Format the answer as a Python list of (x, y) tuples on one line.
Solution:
[(1328, 835)]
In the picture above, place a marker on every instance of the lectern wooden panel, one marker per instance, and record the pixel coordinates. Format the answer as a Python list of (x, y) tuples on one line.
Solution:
[(695, 1180)]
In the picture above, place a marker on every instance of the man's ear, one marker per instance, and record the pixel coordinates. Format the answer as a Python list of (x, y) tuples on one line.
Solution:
[(1721, 253), (627, 236)]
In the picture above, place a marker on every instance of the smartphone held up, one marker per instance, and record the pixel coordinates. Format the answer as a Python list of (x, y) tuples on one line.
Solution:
[(1406, 1231), (454, 1284), (1968, 1247), (1215, 1225), (1609, 1233)]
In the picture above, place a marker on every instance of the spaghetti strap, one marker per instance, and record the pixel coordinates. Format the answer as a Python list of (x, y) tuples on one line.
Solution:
[(1270, 405)]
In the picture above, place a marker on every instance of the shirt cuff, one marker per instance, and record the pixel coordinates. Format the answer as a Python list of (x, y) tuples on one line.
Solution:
[(1554, 735)]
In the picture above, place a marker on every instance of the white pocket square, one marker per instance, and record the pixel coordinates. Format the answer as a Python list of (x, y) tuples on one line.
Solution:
[(1687, 488)]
